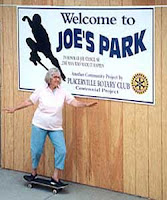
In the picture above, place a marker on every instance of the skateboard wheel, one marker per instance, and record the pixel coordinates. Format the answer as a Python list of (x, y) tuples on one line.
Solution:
[(30, 185), (55, 191)]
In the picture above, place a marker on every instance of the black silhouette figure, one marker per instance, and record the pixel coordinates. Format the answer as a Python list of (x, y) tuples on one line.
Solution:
[(42, 43)]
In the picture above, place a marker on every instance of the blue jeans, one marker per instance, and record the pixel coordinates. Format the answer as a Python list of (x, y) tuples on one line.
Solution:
[(38, 137)]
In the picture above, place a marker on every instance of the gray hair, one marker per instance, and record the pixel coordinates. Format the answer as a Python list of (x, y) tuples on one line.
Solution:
[(49, 75)]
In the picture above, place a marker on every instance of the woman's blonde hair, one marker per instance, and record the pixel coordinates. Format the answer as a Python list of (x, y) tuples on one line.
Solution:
[(49, 75)]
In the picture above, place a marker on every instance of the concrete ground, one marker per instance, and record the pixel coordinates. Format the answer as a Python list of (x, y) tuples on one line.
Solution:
[(13, 187)]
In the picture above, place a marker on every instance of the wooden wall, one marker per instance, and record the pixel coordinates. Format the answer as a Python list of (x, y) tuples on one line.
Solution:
[(119, 146)]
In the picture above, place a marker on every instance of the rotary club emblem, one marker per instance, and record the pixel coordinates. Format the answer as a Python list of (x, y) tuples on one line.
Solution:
[(139, 83)]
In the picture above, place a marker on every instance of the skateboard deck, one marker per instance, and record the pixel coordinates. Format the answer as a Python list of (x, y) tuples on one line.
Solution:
[(43, 182)]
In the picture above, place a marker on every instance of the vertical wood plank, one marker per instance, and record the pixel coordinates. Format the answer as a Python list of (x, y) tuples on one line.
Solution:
[(82, 145), (42, 2), (142, 142), (92, 3), (70, 164), (127, 2), (28, 2), (94, 138), (159, 2), (19, 147), (58, 2), (8, 85), (164, 104), (155, 125), (129, 149), (116, 136), (162, 2), (7, 1), (116, 2), (2, 89), (11, 2), (18, 96), (69, 2), (80, 2), (116, 146), (144, 2), (106, 146), (26, 123)]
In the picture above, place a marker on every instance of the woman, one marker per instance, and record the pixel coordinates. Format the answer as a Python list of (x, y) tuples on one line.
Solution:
[(47, 120)]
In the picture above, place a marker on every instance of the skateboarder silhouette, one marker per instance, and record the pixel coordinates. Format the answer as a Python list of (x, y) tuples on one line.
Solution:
[(42, 43)]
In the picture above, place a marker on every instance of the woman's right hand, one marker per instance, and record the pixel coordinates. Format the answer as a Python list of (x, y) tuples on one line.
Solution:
[(9, 110)]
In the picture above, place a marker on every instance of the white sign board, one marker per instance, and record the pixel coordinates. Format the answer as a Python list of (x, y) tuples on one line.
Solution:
[(102, 52)]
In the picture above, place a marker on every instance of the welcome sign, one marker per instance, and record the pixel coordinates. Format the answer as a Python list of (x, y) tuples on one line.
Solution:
[(102, 52)]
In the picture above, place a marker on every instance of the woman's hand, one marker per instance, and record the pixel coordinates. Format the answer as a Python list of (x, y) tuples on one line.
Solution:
[(9, 110), (22, 105), (91, 104), (80, 104)]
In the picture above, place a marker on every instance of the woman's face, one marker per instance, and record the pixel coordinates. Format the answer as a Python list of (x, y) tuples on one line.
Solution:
[(55, 80)]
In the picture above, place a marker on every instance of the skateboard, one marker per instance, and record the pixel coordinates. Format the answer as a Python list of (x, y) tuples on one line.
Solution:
[(43, 182)]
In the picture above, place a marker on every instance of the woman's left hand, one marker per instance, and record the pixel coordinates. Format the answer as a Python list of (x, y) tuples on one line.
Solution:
[(80, 104), (91, 104)]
